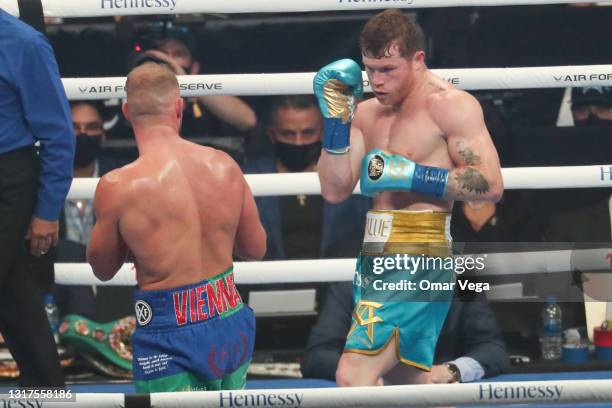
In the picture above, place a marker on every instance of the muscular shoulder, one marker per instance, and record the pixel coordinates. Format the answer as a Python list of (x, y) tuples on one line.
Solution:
[(220, 162), (110, 191), (366, 110), (219, 166), (453, 108)]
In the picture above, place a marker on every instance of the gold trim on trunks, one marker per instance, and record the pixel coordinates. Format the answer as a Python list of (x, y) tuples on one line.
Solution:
[(395, 335)]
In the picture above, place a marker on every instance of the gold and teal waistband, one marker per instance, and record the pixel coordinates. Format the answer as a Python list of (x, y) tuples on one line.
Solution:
[(407, 232)]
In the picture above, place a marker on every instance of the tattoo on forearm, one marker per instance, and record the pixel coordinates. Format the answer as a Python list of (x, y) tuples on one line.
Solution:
[(472, 180)]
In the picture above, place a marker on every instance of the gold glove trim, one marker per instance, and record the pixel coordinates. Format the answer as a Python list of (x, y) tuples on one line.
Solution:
[(340, 102)]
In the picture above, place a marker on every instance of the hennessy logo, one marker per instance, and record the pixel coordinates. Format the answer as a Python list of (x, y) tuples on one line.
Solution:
[(138, 4), (255, 399), (519, 392), (143, 312)]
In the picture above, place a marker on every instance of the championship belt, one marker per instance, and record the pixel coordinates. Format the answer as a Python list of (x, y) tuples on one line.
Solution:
[(101, 343)]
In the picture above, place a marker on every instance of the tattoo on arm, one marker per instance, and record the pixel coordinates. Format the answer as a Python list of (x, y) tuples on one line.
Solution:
[(471, 180), (469, 156)]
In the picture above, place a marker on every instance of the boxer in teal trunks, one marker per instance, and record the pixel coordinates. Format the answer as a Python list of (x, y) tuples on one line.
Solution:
[(411, 318), (418, 145)]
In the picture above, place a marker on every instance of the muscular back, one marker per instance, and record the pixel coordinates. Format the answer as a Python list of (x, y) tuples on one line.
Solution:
[(181, 206), (412, 131)]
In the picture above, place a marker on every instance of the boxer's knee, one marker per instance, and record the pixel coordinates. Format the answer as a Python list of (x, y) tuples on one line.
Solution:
[(343, 375), (352, 374)]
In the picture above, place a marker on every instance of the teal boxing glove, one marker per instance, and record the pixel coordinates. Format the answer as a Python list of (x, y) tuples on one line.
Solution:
[(338, 88), (383, 171)]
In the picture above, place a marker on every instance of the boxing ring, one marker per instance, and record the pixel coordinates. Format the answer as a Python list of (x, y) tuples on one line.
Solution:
[(585, 389), (523, 389)]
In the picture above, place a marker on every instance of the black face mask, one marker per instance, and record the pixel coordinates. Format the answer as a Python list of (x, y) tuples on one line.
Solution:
[(297, 157), (592, 121), (87, 149)]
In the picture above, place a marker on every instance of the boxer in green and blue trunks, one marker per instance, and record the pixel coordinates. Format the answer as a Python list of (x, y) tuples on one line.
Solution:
[(182, 211)]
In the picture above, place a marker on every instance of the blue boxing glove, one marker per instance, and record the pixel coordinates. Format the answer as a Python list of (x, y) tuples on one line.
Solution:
[(383, 171), (338, 87)]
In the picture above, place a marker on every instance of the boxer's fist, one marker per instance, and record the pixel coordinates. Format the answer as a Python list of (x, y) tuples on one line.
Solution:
[(338, 87), (384, 171)]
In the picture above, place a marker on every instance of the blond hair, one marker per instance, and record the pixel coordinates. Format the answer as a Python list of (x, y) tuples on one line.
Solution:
[(152, 90)]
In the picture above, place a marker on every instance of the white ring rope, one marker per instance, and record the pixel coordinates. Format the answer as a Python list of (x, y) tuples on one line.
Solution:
[(301, 83), (282, 184), (80, 8), (410, 396), (339, 270), (519, 392)]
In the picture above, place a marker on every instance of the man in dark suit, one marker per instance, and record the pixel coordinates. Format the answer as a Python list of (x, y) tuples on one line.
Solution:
[(470, 345), (302, 226)]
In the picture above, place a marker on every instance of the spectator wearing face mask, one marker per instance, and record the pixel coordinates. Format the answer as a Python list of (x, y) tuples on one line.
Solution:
[(87, 120), (77, 220), (302, 226)]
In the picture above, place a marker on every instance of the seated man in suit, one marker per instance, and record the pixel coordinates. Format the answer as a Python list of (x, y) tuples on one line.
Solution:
[(302, 226), (470, 345)]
